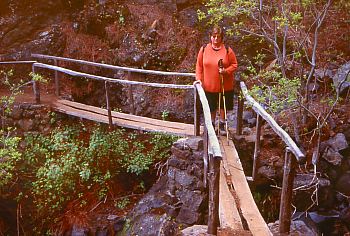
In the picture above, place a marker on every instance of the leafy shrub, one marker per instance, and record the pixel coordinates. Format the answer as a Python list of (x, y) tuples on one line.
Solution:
[(65, 163)]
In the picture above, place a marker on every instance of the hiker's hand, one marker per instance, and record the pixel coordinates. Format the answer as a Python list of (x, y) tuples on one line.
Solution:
[(222, 71), (197, 82)]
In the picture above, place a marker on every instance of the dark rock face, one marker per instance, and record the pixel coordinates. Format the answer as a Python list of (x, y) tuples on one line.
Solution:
[(29, 117), (177, 198), (343, 184)]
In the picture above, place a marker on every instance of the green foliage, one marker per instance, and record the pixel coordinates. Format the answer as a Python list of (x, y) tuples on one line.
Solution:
[(277, 96), (9, 152), (122, 203), (9, 155), (268, 205), (121, 18), (165, 114), (65, 164), (38, 77)]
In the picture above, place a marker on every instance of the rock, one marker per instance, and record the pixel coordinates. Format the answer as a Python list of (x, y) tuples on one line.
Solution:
[(177, 163), (346, 132), (195, 143), (326, 198), (340, 76), (181, 144), (247, 131), (323, 72), (343, 184), (338, 142), (318, 218), (268, 172), (78, 231), (345, 215), (251, 122), (333, 157), (151, 224), (26, 124), (195, 170), (183, 154), (195, 230), (118, 225), (297, 227), (102, 232), (187, 216), (248, 115), (178, 195), (190, 199), (16, 113), (188, 181), (307, 180)]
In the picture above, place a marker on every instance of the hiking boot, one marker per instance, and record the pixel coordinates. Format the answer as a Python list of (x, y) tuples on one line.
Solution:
[(222, 128)]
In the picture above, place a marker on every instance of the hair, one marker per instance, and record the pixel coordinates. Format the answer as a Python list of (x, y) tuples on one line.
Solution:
[(217, 29)]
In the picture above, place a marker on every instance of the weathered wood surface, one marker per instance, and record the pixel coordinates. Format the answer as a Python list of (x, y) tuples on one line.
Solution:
[(214, 146), (247, 206), (16, 62), (112, 80), (113, 67), (122, 119), (228, 213)]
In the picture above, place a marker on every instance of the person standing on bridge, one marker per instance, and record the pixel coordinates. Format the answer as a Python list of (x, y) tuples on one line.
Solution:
[(208, 73)]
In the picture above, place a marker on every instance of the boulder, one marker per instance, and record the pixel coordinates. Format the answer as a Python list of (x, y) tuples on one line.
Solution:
[(342, 76), (338, 142)]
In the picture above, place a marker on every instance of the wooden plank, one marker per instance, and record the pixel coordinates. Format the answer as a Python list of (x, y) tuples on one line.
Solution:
[(128, 123), (228, 213), (128, 117), (249, 210)]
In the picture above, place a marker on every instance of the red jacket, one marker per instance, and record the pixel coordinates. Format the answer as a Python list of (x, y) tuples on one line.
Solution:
[(207, 69)]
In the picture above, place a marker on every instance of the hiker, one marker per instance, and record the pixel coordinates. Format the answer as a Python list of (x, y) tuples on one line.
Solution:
[(209, 73)]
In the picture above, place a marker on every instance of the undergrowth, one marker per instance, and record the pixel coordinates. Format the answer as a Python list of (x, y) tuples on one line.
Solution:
[(61, 167)]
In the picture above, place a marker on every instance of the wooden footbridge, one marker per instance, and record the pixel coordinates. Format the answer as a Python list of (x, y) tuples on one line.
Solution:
[(231, 204)]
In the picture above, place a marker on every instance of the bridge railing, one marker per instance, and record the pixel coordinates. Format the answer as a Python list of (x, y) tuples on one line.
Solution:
[(290, 161), (56, 67)]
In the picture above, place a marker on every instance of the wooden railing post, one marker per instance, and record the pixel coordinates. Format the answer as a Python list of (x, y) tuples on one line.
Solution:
[(110, 122), (57, 83), (257, 145), (196, 114), (36, 88), (287, 193), (214, 174), (131, 96), (240, 113)]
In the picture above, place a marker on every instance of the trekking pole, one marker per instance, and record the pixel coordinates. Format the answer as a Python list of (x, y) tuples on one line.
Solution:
[(219, 113), (221, 65)]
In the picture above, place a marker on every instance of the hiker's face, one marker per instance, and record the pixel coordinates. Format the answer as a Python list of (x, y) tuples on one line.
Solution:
[(216, 39)]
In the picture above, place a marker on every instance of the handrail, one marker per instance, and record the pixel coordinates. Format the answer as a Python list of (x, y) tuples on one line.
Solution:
[(96, 77), (213, 140), (283, 134), (16, 62), (112, 66), (212, 156)]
